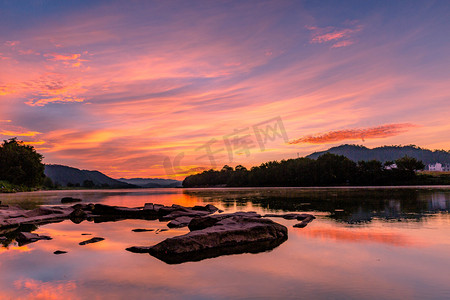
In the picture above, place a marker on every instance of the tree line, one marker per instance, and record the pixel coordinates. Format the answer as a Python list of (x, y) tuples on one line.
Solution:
[(21, 165), (327, 170)]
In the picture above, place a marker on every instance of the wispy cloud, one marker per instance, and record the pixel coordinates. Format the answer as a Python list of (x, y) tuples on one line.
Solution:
[(73, 60), (342, 44), (12, 43), (378, 132), (53, 88), (340, 37)]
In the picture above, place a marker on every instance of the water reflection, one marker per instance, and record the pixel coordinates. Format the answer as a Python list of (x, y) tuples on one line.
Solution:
[(334, 257), (344, 205)]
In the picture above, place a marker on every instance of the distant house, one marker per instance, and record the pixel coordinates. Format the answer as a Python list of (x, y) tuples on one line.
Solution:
[(390, 167), (438, 167)]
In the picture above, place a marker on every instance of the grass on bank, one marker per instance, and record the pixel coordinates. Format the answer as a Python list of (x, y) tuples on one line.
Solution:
[(6, 187)]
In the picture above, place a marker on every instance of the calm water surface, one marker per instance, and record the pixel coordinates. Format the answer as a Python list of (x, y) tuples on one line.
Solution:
[(365, 244)]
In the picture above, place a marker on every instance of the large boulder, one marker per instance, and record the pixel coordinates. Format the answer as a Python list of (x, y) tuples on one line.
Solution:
[(230, 234)]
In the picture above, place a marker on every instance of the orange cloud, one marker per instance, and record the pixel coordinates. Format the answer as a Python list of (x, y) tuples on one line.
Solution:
[(18, 133), (355, 134), (33, 143), (6, 90), (73, 60), (56, 56)]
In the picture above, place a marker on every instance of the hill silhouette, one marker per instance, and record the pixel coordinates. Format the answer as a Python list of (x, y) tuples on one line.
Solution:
[(64, 175), (386, 153), (152, 182)]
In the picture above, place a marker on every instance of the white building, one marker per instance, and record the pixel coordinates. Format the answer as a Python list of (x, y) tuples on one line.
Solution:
[(438, 167)]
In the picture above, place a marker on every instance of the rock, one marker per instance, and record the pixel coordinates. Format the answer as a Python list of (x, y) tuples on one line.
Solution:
[(90, 241), (138, 249), (11, 216), (149, 206), (291, 216), (208, 221), (24, 238), (208, 207), (186, 212), (86, 234), (300, 225), (77, 216), (232, 234), (14, 216), (306, 220), (153, 207), (179, 222), (305, 217), (70, 200), (57, 252), (141, 230)]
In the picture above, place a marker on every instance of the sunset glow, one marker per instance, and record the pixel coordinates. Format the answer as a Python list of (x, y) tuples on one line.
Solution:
[(146, 88)]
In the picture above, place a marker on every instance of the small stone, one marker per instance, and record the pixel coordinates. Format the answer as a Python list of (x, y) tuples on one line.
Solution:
[(91, 241), (142, 230), (70, 200), (57, 252), (138, 249)]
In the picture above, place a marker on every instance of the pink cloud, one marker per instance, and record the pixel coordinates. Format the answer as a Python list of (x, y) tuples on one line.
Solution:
[(45, 101), (342, 44), (341, 36), (383, 131), (12, 43)]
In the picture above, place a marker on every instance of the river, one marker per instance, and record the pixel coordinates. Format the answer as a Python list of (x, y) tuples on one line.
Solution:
[(366, 243)]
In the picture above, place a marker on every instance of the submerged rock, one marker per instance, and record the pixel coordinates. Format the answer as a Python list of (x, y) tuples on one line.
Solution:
[(291, 216), (219, 235), (91, 241), (305, 222), (24, 238), (138, 249), (70, 200), (142, 230)]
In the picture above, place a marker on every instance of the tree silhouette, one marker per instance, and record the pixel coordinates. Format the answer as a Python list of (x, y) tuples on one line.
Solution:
[(20, 164)]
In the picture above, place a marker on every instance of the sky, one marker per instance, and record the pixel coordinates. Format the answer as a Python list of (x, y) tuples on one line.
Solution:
[(170, 88)]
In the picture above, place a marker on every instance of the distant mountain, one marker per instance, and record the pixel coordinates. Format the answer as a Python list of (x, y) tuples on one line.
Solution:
[(152, 182), (387, 153), (65, 175)]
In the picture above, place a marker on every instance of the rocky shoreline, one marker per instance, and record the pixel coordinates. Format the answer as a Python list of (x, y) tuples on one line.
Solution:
[(212, 232)]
